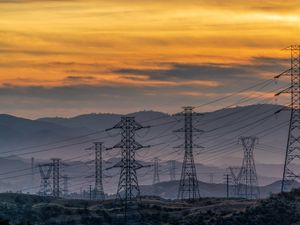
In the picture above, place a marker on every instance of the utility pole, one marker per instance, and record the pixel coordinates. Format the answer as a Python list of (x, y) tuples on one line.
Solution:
[(128, 188), (56, 177), (156, 171), (45, 172), (32, 174), (227, 179), (66, 185), (292, 155), (81, 193), (99, 191), (172, 170), (248, 183), (156, 175), (188, 186), (90, 192)]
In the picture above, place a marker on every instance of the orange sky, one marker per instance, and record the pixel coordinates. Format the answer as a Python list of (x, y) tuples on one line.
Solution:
[(120, 44)]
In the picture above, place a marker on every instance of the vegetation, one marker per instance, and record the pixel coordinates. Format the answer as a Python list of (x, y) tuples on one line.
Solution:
[(283, 209)]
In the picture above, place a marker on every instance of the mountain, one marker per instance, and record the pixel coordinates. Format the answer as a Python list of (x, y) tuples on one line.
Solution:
[(19, 135), (68, 138), (221, 128), (169, 189), (100, 121)]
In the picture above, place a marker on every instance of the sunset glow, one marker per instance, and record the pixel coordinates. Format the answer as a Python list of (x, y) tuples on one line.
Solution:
[(144, 46)]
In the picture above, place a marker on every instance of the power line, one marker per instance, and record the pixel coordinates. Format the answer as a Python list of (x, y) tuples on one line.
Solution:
[(233, 94)]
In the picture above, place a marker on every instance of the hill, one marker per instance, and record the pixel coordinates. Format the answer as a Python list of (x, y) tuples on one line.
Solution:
[(169, 189), (29, 209), (280, 209), (67, 138), (221, 131)]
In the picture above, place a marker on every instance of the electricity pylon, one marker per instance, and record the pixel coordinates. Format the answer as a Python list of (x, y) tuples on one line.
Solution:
[(155, 175), (45, 172), (156, 171), (55, 177), (32, 174), (128, 187), (188, 186), (227, 180), (98, 191), (248, 182), (234, 173), (293, 143), (66, 185), (172, 170)]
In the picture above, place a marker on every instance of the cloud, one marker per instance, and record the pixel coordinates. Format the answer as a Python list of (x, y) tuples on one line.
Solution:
[(257, 68), (268, 5), (14, 51), (79, 78)]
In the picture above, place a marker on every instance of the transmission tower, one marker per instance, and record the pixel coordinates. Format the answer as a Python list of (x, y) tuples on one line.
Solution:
[(45, 172), (227, 182), (156, 171), (293, 143), (172, 170), (32, 173), (90, 192), (155, 175), (248, 182), (98, 191), (55, 177), (234, 173), (66, 185), (128, 187), (188, 186)]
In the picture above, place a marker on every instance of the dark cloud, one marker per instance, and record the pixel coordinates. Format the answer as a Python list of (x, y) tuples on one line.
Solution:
[(27, 1), (79, 78), (244, 72), (65, 93), (32, 52)]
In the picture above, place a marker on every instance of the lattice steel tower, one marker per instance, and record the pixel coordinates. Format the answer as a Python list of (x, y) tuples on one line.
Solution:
[(155, 175), (45, 172), (172, 170), (128, 187), (188, 186), (234, 173), (156, 171), (32, 173), (248, 182), (55, 177), (293, 142), (99, 190), (66, 185)]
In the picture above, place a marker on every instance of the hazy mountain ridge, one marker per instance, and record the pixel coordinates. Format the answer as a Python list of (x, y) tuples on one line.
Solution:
[(222, 129)]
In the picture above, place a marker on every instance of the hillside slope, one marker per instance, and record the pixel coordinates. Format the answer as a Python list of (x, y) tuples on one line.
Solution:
[(282, 209)]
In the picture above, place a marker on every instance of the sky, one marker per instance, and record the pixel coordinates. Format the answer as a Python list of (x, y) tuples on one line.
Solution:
[(69, 57)]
